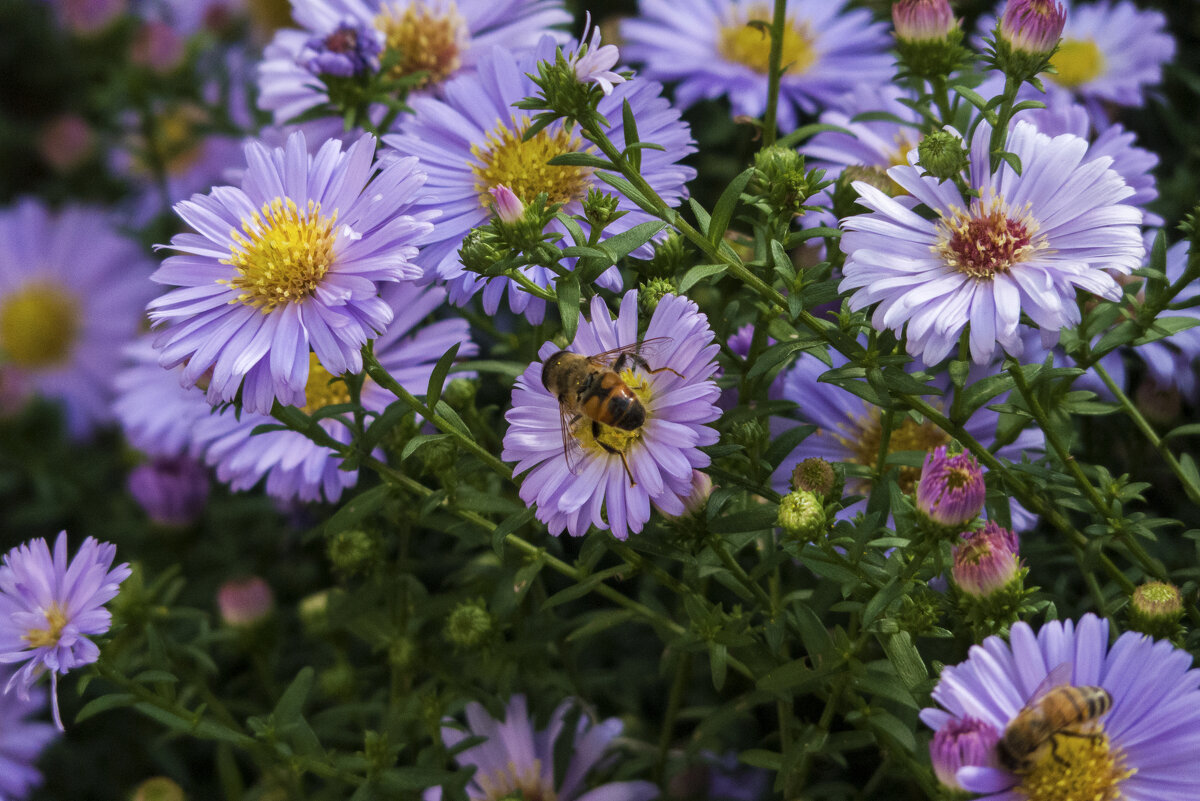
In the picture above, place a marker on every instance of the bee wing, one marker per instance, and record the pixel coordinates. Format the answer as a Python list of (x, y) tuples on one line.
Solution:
[(647, 350), (572, 450), (1059, 675)]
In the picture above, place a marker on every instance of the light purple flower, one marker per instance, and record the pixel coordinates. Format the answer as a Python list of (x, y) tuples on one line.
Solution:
[(294, 466), (48, 606), (1143, 747), (442, 38), (71, 296), (661, 454), (315, 244), (21, 741), (849, 431), (516, 758), (1024, 246), (471, 141), (594, 62), (951, 491), (712, 52)]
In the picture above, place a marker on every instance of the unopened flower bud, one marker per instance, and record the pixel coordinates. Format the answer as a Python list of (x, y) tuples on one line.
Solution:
[(654, 290), (961, 743), (942, 155), (923, 20), (87, 17), (352, 551), (480, 250), (951, 491), (401, 653), (337, 681), (160, 788), (351, 50), (600, 208), (460, 392), (670, 255), (1026, 35), (1156, 609), (702, 487), (815, 475), (469, 624), (313, 611), (505, 205), (986, 562), (781, 180), (245, 602), (802, 516), (66, 142), (172, 492)]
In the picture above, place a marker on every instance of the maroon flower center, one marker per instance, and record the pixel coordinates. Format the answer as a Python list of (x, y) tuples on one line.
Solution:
[(988, 239)]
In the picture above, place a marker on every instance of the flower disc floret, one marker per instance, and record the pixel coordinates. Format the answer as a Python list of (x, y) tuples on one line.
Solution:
[(662, 453), (316, 243), (39, 324), (422, 39), (507, 158)]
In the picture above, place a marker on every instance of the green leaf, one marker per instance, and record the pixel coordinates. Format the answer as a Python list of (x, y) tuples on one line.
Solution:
[(702, 218), (785, 443), (448, 414), (895, 730), (419, 440), (718, 661), (581, 160), (358, 508), (1189, 430), (103, 704), (629, 124), (760, 758), (698, 273), (288, 710), (438, 377), (628, 190), (601, 621), (881, 682), (624, 243), (756, 519), (408, 779), (568, 292), (722, 213), (507, 526), (982, 391)]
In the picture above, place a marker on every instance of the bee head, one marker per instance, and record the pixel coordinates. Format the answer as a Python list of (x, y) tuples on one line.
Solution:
[(548, 368)]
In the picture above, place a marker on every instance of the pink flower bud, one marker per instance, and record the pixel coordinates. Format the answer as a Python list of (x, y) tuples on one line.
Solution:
[(1032, 26), (244, 602), (157, 47), (961, 743), (986, 561), (923, 20), (508, 207), (66, 142), (951, 491)]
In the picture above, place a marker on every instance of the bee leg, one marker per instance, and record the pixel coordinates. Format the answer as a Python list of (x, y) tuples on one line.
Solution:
[(642, 363), (628, 472), (611, 449)]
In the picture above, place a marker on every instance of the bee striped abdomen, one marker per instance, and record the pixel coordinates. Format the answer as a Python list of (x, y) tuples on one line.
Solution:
[(612, 403)]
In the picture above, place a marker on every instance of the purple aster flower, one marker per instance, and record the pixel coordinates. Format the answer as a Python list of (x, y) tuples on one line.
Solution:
[(1143, 747), (21, 741), (172, 492), (951, 491), (471, 141), (48, 606), (1170, 361), (986, 561), (351, 49), (713, 52), (678, 395), (1024, 246), (594, 62), (441, 38), (290, 261), (849, 431), (518, 760), (156, 410), (71, 295), (962, 742), (296, 467)]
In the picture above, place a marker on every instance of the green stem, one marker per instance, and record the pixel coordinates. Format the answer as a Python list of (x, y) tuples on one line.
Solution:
[(774, 72), (1000, 129), (683, 672), (718, 546)]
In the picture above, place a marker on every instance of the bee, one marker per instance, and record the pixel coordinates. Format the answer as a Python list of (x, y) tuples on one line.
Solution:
[(1054, 708), (591, 392)]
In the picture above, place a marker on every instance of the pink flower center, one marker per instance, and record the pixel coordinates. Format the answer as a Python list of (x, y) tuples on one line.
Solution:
[(987, 240)]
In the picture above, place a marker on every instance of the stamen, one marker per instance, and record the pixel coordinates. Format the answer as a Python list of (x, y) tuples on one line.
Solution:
[(739, 42), (863, 437), (323, 387), (987, 240), (1076, 766), (522, 166), (47, 637), (418, 39)]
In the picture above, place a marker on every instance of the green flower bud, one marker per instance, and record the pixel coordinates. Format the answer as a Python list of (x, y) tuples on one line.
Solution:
[(481, 249), (781, 180), (1156, 609), (438, 456), (353, 551), (160, 788), (654, 290), (337, 682), (942, 155), (460, 392), (600, 208), (670, 256), (313, 611), (469, 624), (802, 516)]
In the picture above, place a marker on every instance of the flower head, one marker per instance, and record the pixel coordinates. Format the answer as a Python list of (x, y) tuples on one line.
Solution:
[(716, 50), (1022, 247), (986, 561), (608, 476), (594, 62), (951, 491), (290, 261), (71, 294), (959, 743), (49, 604), (1141, 748), (518, 760), (427, 41), (923, 20), (472, 141), (1032, 27), (21, 740)]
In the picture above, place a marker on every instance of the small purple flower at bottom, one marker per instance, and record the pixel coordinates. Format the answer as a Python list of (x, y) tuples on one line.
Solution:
[(48, 606), (21, 741), (518, 761), (1144, 746), (617, 473)]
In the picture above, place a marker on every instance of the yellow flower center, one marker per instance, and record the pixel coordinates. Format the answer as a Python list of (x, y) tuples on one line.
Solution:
[(323, 387), (39, 325), (596, 436), (863, 436), (284, 254), (988, 239), (521, 165), (508, 783), (1076, 767), (47, 637), (1077, 61), (740, 42), (421, 40)]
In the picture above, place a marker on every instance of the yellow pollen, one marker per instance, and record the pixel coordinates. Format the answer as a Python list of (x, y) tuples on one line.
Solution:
[(48, 637), (957, 477), (863, 437), (739, 42), (988, 239), (1078, 61), (1076, 766), (419, 39), (521, 165), (39, 325), (323, 387), (617, 439), (284, 254), (513, 783)]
